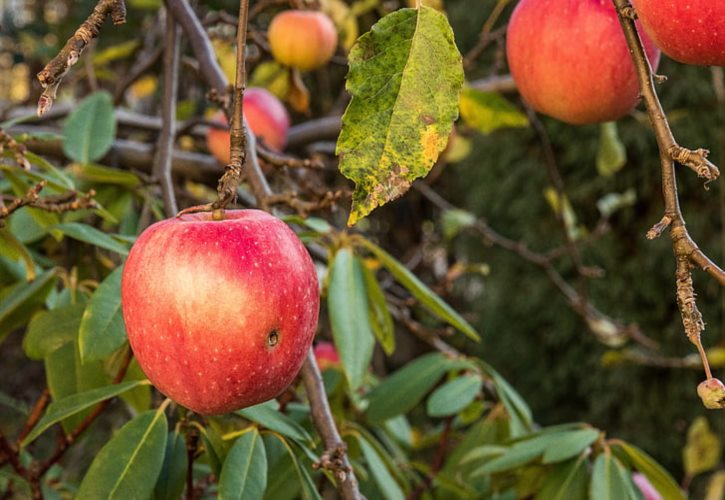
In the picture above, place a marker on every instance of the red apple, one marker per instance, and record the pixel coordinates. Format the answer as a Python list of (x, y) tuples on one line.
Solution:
[(302, 39), (570, 60), (326, 355), (220, 314), (266, 116), (689, 31)]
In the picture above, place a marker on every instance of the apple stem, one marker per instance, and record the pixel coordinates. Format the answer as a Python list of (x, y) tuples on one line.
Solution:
[(228, 183)]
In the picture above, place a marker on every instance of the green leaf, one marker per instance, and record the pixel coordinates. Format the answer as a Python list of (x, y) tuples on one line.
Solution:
[(42, 218), (521, 422), (347, 304), (102, 330), (380, 319), (420, 291), (489, 111), (703, 449), (12, 247), (55, 177), (657, 475), (400, 392), (453, 396), (267, 415), (519, 454), (172, 477), (454, 220), (23, 293), (89, 130), (105, 175), (567, 480), (244, 474), (405, 76), (89, 234), (129, 464), (309, 490), (388, 486), (606, 481), (75, 403), (569, 445), (51, 330), (139, 398), (611, 156)]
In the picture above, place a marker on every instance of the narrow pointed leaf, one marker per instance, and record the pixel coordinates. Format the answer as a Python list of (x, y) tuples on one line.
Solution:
[(453, 396), (51, 330), (23, 293), (347, 303), (172, 477), (611, 156), (420, 291), (657, 475), (89, 130), (102, 330), (569, 445), (244, 474), (567, 480), (380, 319), (404, 389), (75, 403), (388, 486), (405, 76), (89, 234), (129, 464), (267, 415)]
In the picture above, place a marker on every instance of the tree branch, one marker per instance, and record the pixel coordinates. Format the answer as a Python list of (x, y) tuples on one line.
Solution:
[(53, 73), (685, 249), (165, 143)]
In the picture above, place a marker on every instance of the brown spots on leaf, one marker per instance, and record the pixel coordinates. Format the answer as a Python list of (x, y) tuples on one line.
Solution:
[(427, 119)]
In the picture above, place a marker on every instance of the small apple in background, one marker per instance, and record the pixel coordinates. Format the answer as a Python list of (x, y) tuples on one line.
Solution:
[(266, 116), (220, 314), (688, 31), (570, 60), (326, 355), (302, 39)]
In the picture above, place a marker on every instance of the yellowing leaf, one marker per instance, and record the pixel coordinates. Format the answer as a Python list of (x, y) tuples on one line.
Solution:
[(226, 55), (405, 76), (436, 4), (611, 156), (143, 87), (488, 111), (120, 51), (343, 18), (272, 76), (703, 449)]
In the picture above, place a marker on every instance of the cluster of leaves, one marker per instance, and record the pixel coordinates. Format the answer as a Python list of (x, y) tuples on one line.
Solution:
[(445, 422)]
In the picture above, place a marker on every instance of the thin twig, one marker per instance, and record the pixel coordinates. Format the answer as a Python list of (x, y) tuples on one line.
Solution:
[(35, 414), (335, 449), (486, 36), (165, 143), (53, 73), (685, 249)]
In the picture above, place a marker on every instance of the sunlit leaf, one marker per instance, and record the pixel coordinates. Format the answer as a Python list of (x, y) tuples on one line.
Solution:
[(657, 475), (384, 479), (489, 111), (380, 319), (89, 234), (267, 415), (405, 76), (703, 449)]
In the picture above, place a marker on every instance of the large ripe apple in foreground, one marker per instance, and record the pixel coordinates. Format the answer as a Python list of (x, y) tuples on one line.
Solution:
[(689, 31), (570, 60), (303, 39), (220, 314), (266, 116)]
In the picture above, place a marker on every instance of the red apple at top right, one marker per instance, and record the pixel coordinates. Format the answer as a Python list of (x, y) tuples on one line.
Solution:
[(688, 31)]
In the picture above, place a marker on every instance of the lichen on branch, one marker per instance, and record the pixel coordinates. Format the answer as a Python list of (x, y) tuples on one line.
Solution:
[(53, 72)]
